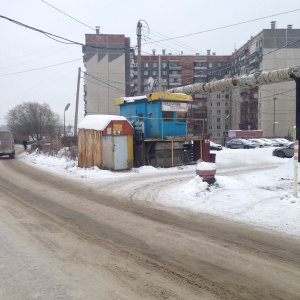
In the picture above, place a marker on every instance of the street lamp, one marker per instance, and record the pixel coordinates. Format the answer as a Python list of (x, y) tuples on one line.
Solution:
[(66, 108)]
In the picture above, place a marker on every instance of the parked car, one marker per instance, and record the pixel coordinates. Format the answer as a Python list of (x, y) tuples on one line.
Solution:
[(258, 143), (239, 144), (286, 151), (270, 142), (214, 146), (282, 142), (36, 145)]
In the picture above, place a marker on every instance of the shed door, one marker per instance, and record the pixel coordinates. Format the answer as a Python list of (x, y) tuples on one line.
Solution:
[(120, 152)]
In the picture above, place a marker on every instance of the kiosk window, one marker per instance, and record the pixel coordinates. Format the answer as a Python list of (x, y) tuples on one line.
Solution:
[(181, 117), (168, 116)]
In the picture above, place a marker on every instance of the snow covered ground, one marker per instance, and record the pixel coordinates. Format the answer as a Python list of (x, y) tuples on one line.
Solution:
[(262, 196)]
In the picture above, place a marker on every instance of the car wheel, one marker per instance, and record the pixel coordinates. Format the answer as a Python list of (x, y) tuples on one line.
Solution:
[(261, 146), (229, 147), (280, 154), (246, 147)]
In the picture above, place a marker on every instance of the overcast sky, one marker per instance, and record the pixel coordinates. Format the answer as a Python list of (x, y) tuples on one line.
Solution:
[(194, 25)]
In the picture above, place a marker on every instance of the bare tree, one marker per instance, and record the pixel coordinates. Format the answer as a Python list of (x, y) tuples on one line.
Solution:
[(33, 119)]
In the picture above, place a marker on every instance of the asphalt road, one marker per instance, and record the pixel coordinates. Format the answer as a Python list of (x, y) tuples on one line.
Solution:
[(63, 240)]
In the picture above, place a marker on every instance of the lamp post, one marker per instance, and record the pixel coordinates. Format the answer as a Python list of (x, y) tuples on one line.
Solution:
[(66, 108)]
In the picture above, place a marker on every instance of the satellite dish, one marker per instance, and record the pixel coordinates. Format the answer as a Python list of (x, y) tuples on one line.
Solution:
[(150, 84)]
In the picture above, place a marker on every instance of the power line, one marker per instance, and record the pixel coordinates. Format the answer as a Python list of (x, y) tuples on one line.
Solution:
[(223, 27), (68, 15), (53, 36), (8, 74)]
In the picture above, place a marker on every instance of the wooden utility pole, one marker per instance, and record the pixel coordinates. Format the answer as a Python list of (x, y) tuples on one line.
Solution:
[(77, 101)]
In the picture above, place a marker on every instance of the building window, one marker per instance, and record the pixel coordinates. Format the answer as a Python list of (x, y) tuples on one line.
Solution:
[(218, 112), (145, 72), (218, 103), (210, 112), (218, 120), (155, 65), (218, 96), (154, 73), (164, 65), (218, 127)]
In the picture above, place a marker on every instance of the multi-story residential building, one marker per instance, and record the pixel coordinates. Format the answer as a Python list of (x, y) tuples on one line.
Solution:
[(271, 107), (107, 62), (112, 71)]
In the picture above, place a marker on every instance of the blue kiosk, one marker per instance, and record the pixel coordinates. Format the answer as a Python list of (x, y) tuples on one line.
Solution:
[(160, 120)]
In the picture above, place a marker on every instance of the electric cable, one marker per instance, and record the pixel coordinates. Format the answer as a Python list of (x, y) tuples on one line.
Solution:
[(68, 15), (8, 74)]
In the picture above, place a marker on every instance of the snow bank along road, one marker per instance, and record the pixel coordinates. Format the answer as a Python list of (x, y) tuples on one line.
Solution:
[(63, 240)]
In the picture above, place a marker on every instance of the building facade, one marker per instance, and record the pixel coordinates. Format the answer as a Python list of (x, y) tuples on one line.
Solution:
[(107, 61)]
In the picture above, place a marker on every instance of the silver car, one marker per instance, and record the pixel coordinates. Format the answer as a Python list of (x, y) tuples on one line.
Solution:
[(287, 151), (240, 144)]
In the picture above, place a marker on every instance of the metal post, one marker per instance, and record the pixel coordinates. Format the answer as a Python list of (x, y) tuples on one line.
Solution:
[(297, 80), (139, 58), (274, 119)]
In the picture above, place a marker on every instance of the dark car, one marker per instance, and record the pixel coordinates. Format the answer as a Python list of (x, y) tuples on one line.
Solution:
[(214, 146), (286, 151), (36, 145), (240, 144)]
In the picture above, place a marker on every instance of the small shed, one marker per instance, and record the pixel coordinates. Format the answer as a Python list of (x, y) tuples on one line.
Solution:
[(105, 141)]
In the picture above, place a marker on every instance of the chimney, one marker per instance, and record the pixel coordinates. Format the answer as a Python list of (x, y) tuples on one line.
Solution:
[(181, 52), (208, 52), (153, 51), (163, 51), (290, 27), (273, 24), (197, 54), (214, 53), (97, 29)]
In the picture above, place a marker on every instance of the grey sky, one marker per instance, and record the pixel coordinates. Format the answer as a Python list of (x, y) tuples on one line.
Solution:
[(23, 49)]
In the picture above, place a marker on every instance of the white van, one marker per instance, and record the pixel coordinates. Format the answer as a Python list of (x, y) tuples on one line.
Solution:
[(7, 145)]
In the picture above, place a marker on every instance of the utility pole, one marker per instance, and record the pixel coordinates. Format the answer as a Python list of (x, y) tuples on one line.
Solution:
[(77, 100), (139, 39)]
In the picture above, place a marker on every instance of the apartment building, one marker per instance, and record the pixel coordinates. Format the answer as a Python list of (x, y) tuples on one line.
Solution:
[(270, 108), (107, 61), (169, 71)]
